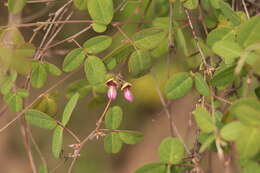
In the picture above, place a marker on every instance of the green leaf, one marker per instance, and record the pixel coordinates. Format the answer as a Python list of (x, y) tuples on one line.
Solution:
[(101, 11), (119, 54), (69, 109), (215, 3), (114, 117), (152, 168), (80, 86), (81, 4), (46, 104), (40, 119), (219, 34), (178, 85), (248, 32), (97, 44), (201, 85), (204, 119), (112, 143), (99, 28), (148, 38), (22, 92), (232, 131), (15, 101), (15, 6), (251, 167), (43, 168), (73, 60), (229, 13), (139, 63), (248, 143), (39, 75), (52, 69), (210, 139), (247, 110), (181, 42), (95, 70), (229, 50), (6, 84), (57, 141), (171, 150), (191, 4), (130, 137), (223, 76)]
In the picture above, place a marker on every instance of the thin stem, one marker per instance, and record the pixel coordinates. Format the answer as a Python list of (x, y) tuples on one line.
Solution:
[(69, 38), (38, 149), (90, 136), (245, 8), (173, 128), (196, 39)]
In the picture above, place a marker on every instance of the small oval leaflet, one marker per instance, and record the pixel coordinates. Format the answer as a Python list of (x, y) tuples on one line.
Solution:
[(57, 141), (112, 143), (97, 44), (178, 85), (139, 63), (95, 70), (40, 119), (171, 150), (114, 117), (73, 60)]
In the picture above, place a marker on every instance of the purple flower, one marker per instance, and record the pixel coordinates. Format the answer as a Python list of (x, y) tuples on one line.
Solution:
[(112, 93), (128, 95), (112, 89), (127, 92)]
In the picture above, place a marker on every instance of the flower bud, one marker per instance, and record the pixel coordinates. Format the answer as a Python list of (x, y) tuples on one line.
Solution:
[(112, 93), (127, 92), (112, 89)]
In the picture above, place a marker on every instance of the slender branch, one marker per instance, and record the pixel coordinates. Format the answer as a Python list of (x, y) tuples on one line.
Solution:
[(3, 110), (196, 39), (90, 136), (245, 8), (69, 38), (173, 128)]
